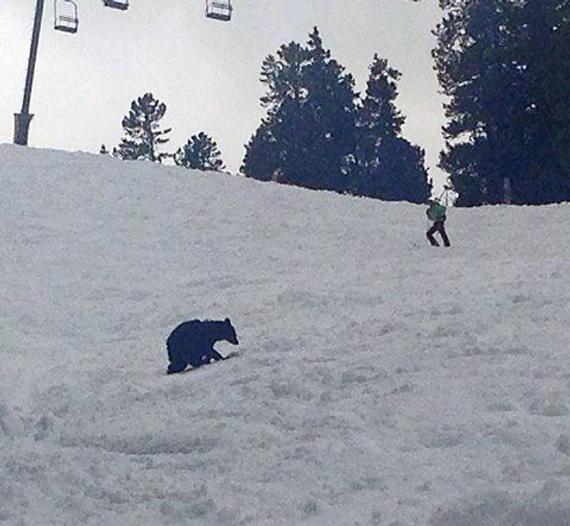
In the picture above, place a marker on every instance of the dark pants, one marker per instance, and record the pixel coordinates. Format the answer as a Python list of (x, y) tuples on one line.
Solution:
[(438, 226)]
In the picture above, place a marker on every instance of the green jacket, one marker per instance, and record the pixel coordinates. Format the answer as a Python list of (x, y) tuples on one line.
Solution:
[(436, 212)]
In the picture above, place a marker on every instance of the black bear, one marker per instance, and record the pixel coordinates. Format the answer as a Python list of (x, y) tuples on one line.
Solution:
[(192, 343)]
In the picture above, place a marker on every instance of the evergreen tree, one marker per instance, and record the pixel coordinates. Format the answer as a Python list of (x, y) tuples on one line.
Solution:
[(103, 150), (309, 127), (331, 111), (386, 165), (270, 148), (502, 65), (143, 135), (545, 46), (485, 91), (200, 152), (261, 159)]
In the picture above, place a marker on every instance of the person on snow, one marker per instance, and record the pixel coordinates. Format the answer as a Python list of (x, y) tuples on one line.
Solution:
[(436, 213)]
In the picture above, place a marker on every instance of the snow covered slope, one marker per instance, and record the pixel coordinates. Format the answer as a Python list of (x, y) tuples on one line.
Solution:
[(380, 380)]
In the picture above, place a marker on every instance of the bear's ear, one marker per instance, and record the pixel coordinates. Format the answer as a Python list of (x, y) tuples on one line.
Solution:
[(227, 320)]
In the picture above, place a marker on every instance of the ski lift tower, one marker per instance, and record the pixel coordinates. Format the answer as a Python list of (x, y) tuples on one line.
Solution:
[(22, 119), (68, 22)]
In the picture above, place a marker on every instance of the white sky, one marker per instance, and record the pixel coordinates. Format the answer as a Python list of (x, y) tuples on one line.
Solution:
[(207, 72)]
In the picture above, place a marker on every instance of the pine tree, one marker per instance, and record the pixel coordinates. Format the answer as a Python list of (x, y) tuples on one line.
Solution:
[(401, 174), (473, 69), (545, 46), (103, 150), (143, 135), (261, 159), (386, 165), (275, 146), (201, 153), (504, 66), (557, 97), (331, 111), (309, 127)]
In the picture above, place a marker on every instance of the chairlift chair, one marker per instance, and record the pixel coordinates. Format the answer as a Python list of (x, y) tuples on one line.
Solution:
[(123, 5), (68, 23), (219, 10)]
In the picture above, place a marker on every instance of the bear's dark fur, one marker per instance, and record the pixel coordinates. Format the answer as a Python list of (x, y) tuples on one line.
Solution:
[(192, 343)]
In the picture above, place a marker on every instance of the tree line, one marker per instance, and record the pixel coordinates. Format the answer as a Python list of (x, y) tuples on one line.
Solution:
[(318, 132), (144, 137), (504, 67)]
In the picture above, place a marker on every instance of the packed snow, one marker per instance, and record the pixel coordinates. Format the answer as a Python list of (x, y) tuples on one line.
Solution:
[(379, 381)]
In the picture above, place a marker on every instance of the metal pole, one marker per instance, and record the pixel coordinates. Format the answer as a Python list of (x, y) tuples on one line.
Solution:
[(22, 119)]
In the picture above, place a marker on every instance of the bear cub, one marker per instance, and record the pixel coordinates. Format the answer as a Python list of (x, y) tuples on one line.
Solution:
[(192, 343)]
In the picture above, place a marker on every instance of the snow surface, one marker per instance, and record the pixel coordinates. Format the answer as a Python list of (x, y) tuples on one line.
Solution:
[(380, 381)]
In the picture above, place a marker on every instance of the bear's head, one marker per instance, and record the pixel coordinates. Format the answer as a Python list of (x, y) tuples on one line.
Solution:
[(230, 333)]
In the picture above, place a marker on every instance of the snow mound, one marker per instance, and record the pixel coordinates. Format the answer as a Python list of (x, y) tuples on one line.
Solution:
[(379, 380)]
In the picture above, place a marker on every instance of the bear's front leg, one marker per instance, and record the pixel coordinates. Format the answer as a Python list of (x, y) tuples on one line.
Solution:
[(216, 355), (176, 368)]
